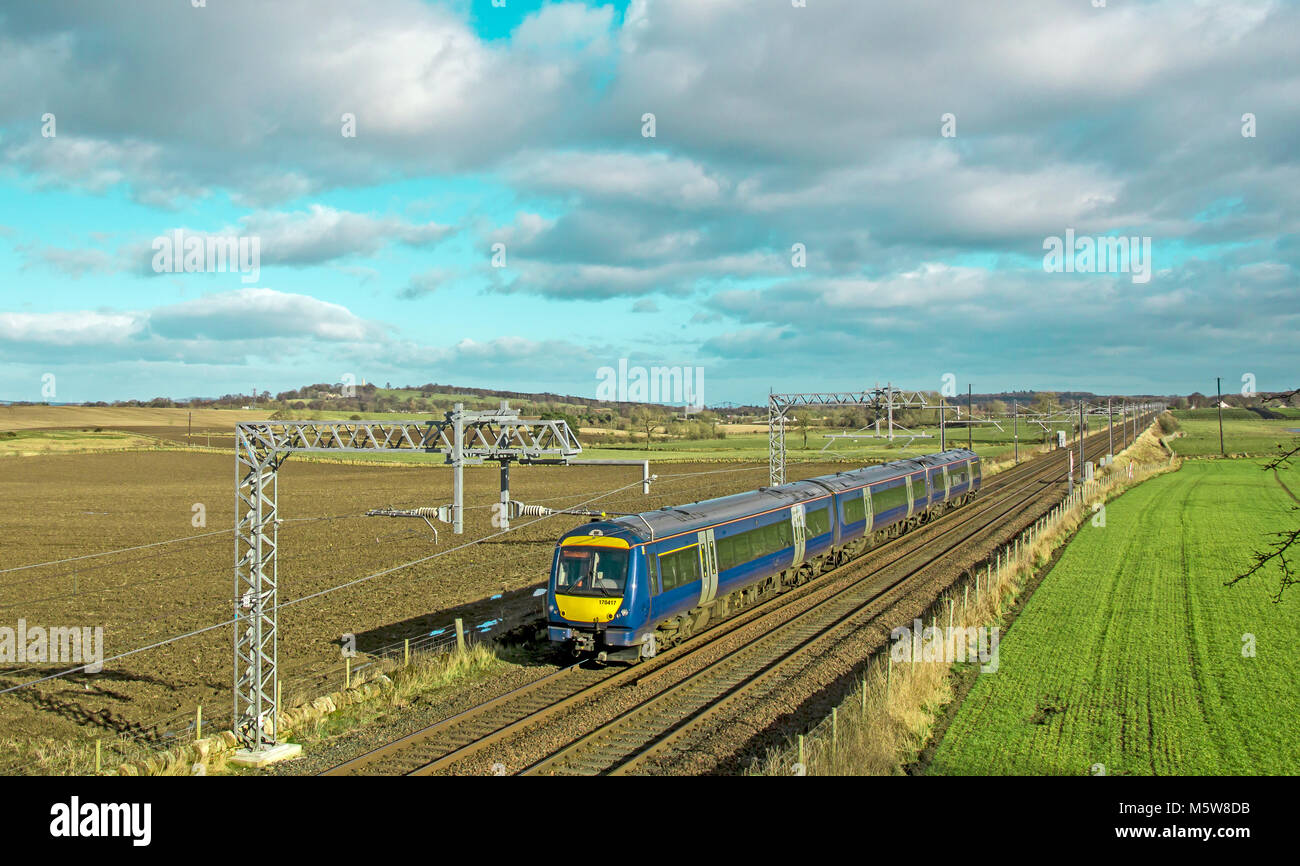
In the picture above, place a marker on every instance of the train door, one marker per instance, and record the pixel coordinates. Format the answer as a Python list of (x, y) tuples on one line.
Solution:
[(708, 567), (866, 500), (800, 526), (911, 502), (947, 484)]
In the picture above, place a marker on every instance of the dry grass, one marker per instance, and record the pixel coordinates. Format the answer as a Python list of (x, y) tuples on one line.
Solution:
[(308, 722), (419, 678), (887, 720)]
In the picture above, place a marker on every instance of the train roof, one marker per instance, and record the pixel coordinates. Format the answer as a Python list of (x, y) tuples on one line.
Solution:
[(675, 519)]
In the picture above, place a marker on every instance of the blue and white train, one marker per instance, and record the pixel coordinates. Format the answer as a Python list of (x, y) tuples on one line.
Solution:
[(627, 587)]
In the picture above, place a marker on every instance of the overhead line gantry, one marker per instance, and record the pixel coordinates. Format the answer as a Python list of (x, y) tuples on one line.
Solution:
[(261, 447)]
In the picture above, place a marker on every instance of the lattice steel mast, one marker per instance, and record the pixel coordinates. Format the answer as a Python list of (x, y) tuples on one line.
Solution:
[(262, 446)]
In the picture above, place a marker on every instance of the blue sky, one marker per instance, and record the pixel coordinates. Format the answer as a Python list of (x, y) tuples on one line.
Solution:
[(823, 129)]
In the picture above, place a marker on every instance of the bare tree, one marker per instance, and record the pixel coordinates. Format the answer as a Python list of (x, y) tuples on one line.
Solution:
[(646, 420), (1279, 550)]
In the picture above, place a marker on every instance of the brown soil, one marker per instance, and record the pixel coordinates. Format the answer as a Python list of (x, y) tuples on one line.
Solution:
[(56, 507)]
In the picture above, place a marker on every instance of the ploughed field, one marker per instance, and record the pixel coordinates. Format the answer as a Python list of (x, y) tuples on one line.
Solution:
[(62, 506)]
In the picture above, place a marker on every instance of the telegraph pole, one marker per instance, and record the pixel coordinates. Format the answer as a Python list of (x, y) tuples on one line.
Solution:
[(1080, 441), (1110, 431), (1218, 387), (970, 420), (943, 430), (1015, 428), (458, 468)]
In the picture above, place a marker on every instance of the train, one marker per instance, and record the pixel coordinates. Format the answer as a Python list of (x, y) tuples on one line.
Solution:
[(627, 587)]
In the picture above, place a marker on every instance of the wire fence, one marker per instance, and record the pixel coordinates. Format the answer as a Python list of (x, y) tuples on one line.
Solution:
[(819, 748), (183, 725)]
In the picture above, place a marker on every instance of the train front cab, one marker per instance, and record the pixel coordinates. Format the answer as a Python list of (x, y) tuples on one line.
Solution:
[(593, 599)]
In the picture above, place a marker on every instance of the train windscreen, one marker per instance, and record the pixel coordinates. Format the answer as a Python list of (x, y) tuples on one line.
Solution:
[(591, 571)]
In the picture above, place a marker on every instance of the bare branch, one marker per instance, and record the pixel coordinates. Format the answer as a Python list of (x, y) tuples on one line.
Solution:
[(1282, 461), (1276, 553)]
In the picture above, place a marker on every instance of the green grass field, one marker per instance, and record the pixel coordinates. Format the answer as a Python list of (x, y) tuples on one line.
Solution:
[(1244, 432), (1130, 653), (31, 442)]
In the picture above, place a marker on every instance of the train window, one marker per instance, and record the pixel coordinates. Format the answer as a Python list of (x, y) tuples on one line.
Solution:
[(748, 546), (974, 469), (918, 487), (958, 475), (855, 509), (679, 567), (652, 567), (592, 571), (888, 498), (818, 522), (734, 550)]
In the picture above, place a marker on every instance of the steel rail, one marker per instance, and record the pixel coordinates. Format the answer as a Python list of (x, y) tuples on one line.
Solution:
[(622, 744), (458, 737)]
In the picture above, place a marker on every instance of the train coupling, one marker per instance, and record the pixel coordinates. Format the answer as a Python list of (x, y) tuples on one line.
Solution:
[(626, 654)]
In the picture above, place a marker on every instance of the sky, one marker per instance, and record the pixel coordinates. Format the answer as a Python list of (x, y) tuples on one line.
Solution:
[(810, 198)]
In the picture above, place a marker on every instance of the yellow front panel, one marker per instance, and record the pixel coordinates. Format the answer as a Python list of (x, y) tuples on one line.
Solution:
[(594, 541), (581, 608)]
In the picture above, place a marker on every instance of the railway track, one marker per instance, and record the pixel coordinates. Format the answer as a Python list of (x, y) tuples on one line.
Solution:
[(770, 638)]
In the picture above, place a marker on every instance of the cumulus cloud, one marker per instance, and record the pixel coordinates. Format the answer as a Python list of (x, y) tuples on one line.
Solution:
[(259, 313), (776, 127), (425, 283), (316, 236), (74, 263), (204, 327), (654, 178), (60, 330), (427, 94), (322, 234)]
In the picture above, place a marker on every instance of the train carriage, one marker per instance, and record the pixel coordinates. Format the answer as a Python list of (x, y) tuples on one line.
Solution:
[(627, 587)]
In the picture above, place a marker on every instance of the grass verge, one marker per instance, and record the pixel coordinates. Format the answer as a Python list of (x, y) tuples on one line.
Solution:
[(887, 720), (309, 723)]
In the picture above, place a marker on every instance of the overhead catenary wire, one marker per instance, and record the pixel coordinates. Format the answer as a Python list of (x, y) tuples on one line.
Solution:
[(351, 583), (327, 591), (112, 552), (119, 563), (159, 544), (450, 550), (156, 581)]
